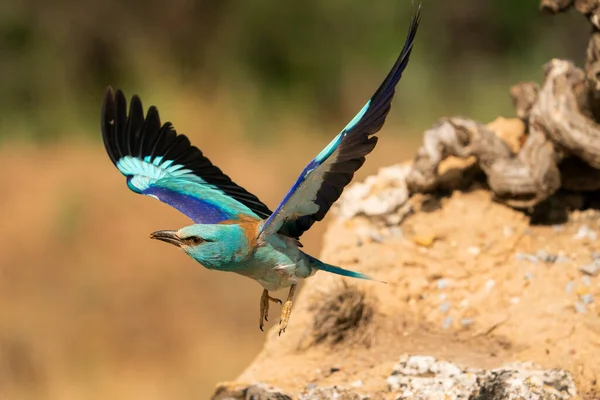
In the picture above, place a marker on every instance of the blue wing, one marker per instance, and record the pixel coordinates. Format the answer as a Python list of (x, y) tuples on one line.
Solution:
[(162, 164), (322, 181)]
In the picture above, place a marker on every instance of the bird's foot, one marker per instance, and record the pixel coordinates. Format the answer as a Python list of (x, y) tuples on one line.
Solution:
[(264, 307), (286, 311)]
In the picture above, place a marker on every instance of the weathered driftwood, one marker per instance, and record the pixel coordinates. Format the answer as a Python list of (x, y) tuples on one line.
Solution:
[(562, 144), (520, 180)]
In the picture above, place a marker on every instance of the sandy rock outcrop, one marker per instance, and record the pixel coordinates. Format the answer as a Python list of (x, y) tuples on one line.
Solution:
[(481, 302)]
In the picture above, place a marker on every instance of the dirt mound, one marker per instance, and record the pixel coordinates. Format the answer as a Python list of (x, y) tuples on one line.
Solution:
[(469, 280)]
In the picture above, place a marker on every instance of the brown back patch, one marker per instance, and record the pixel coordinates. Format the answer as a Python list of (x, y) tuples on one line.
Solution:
[(248, 224)]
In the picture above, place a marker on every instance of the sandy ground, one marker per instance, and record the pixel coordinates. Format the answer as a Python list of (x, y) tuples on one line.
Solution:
[(468, 280)]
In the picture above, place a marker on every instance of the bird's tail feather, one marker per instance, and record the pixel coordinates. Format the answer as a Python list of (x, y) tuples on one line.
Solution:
[(344, 272), (320, 265)]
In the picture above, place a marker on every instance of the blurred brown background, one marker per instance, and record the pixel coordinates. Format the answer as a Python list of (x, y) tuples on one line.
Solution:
[(90, 307)]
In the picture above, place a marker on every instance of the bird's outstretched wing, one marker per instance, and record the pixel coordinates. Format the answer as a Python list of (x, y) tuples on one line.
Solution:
[(322, 181), (160, 163)]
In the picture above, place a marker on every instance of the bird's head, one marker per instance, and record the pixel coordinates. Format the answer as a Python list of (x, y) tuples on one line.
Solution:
[(210, 245)]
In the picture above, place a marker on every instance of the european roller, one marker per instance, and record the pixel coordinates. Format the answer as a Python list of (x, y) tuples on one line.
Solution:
[(233, 230)]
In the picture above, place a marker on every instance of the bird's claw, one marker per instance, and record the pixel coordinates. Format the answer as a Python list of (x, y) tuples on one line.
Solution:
[(264, 307), (286, 311)]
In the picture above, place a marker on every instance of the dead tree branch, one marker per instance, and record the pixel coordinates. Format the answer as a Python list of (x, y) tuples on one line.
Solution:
[(562, 145), (520, 180)]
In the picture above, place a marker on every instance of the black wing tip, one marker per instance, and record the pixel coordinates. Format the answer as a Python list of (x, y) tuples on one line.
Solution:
[(153, 113), (353, 156), (108, 103), (109, 94), (116, 119), (107, 122), (112, 96), (393, 77), (417, 14), (128, 132), (415, 20), (136, 102)]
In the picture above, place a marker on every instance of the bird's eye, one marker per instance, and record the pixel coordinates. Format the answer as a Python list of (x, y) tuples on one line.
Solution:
[(194, 240)]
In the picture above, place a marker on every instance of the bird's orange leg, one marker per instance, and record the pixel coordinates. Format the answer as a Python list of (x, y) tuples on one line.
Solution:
[(264, 307), (286, 310)]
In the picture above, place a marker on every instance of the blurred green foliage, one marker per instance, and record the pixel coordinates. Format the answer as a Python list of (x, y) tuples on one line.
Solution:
[(317, 59)]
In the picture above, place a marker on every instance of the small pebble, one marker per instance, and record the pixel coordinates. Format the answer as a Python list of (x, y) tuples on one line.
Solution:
[(515, 300), (357, 383), (424, 240), (442, 283), (508, 231), (587, 298), (377, 238), (447, 322), (443, 296), (467, 321), (592, 269), (569, 287), (584, 232), (546, 257), (489, 284), (526, 257), (528, 275), (543, 256), (311, 386), (474, 250), (444, 307), (580, 308), (586, 280), (464, 303)]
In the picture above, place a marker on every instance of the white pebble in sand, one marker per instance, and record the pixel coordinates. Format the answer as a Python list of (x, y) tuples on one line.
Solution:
[(580, 308), (489, 284), (569, 287), (442, 283), (447, 322), (444, 307), (587, 298), (474, 250)]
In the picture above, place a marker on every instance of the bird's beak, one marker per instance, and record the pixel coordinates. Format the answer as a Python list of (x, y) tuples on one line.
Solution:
[(167, 236)]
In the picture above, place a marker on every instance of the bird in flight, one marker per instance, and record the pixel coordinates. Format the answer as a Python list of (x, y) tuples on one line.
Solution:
[(233, 230)]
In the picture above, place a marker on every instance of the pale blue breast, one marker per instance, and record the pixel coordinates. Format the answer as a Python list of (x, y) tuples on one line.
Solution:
[(274, 267)]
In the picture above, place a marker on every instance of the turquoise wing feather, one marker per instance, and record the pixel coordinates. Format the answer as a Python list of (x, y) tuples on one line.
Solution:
[(322, 181), (160, 163)]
